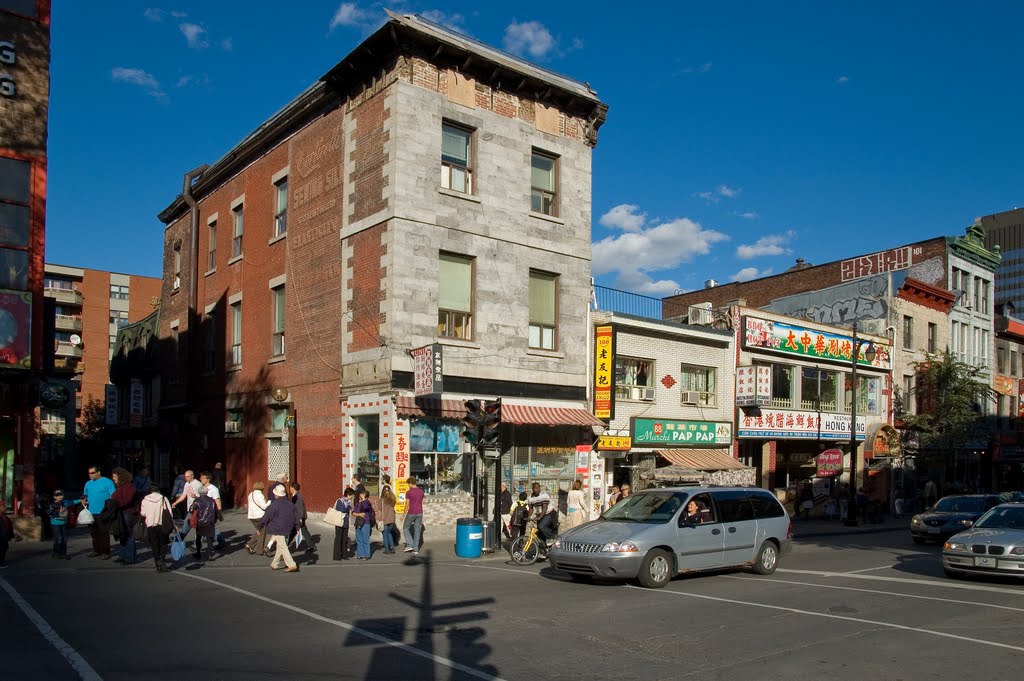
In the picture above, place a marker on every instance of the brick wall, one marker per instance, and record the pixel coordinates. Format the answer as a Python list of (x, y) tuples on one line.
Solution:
[(95, 333), (366, 274), (368, 154)]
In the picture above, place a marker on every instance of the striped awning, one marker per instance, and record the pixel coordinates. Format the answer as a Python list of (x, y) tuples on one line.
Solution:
[(407, 405), (523, 414), (702, 459)]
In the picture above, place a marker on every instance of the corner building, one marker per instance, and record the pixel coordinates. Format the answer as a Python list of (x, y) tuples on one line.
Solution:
[(427, 191)]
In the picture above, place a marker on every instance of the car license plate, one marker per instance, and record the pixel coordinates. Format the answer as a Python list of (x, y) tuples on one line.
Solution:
[(933, 530), (985, 562)]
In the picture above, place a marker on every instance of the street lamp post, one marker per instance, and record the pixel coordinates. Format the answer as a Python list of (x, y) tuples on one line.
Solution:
[(869, 355)]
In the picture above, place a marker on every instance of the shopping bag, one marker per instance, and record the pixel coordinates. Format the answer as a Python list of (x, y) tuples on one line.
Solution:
[(85, 517), (334, 517), (177, 547)]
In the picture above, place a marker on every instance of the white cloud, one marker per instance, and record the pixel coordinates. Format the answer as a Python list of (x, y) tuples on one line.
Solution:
[(155, 14), (453, 21), (138, 77), (748, 273), (718, 193), (349, 14), (642, 249), (227, 45), (727, 191), (709, 197), (529, 38), (189, 79), (773, 244), (703, 68), (749, 215), (625, 217), (194, 35), (843, 79)]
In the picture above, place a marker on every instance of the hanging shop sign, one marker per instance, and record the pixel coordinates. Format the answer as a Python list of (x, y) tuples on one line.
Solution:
[(428, 370), (604, 372), (753, 386), (682, 433), (830, 463), (617, 443), (54, 395), (789, 339), (110, 403)]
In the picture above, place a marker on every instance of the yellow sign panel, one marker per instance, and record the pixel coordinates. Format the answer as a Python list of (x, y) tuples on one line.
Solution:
[(604, 365), (401, 487), (621, 443)]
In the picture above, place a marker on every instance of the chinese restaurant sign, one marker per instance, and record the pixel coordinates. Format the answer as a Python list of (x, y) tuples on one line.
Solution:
[(797, 340), (604, 366), (401, 476), (428, 370), (830, 463), (617, 443), (753, 386), (675, 432), (788, 423)]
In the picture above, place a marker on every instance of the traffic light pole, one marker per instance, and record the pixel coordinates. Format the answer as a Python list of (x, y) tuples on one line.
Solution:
[(497, 502)]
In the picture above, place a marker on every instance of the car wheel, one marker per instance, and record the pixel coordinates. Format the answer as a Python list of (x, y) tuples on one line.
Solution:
[(656, 569), (767, 558), (918, 540)]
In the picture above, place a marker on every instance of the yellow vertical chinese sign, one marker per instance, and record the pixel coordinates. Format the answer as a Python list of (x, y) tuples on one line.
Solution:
[(604, 367)]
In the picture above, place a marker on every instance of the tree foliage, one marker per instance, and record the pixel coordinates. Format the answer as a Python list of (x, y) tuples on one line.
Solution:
[(92, 442), (949, 395)]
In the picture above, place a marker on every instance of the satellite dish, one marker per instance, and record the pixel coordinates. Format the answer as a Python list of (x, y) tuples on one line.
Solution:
[(75, 339)]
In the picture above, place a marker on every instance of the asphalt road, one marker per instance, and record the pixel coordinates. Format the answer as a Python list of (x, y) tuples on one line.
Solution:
[(848, 608)]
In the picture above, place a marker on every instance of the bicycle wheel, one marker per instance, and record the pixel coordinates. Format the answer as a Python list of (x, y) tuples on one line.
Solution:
[(525, 550)]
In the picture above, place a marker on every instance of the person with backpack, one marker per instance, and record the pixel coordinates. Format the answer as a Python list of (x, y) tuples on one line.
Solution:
[(204, 515), (58, 512), (519, 514), (152, 510)]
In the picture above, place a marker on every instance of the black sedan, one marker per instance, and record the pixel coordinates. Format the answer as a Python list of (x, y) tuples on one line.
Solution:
[(950, 515)]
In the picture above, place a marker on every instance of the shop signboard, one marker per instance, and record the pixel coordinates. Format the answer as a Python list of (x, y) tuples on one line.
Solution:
[(428, 370), (135, 405), (680, 433), (753, 386), (830, 463), (604, 373), (789, 424), (614, 443), (790, 339), (110, 402)]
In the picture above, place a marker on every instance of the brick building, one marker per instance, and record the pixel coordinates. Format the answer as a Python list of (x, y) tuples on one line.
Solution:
[(24, 102), (427, 191)]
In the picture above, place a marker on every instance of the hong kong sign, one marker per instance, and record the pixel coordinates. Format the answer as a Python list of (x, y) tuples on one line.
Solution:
[(789, 339), (788, 424), (682, 433)]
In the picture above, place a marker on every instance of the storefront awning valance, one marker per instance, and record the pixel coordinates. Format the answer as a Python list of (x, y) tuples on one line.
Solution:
[(407, 405), (523, 414), (673, 473), (702, 459)]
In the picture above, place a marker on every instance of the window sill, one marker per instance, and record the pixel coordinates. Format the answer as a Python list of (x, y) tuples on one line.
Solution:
[(275, 239), (233, 369), (458, 195), (547, 218), (457, 342), (626, 399), (174, 291), (276, 360), (553, 354), (209, 272), (235, 259)]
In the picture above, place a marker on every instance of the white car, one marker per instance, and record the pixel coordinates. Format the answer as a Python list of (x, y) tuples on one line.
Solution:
[(993, 546)]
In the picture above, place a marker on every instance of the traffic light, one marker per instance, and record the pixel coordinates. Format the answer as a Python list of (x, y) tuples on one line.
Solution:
[(473, 421), (490, 432)]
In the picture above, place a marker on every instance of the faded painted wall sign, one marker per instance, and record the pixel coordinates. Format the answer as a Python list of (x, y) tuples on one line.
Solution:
[(877, 263)]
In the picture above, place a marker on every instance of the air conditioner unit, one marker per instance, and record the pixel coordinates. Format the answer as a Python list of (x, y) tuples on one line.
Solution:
[(691, 397), (647, 394), (700, 314), (231, 426)]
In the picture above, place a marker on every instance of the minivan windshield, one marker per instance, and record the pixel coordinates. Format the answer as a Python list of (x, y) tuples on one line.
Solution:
[(655, 507)]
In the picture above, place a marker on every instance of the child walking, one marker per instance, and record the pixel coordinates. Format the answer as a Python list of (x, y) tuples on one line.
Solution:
[(58, 512)]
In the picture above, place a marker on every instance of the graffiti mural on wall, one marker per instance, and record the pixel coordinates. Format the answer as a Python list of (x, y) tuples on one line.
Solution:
[(865, 300), (930, 271)]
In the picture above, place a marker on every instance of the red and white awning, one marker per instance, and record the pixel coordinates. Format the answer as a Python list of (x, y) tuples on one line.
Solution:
[(529, 414)]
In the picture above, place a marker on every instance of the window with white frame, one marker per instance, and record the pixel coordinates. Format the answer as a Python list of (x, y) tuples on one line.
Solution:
[(238, 215), (278, 341), (908, 395), (933, 333), (819, 389), (634, 379), (544, 183), (1013, 362), (976, 358), (960, 282), (177, 270), (782, 385), (1000, 360), (118, 292), (908, 332), (211, 251), (983, 351), (456, 158), (868, 388), (543, 310), (698, 385), (119, 318), (236, 334), (455, 296), (281, 215)]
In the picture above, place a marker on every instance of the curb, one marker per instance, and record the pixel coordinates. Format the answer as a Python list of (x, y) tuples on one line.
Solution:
[(797, 536)]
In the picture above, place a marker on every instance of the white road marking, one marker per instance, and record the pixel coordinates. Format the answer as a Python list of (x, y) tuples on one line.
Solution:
[(77, 662), (948, 584), (349, 627), (873, 591), (859, 620), (880, 567)]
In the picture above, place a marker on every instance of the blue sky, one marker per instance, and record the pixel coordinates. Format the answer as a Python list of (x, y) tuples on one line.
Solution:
[(740, 136)]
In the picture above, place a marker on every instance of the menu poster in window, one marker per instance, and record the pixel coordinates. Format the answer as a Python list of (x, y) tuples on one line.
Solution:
[(15, 329), (597, 486)]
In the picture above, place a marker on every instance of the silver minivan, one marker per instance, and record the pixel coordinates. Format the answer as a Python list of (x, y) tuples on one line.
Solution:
[(657, 533)]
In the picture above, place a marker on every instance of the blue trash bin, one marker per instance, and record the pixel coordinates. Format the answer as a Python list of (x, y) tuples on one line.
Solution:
[(469, 537)]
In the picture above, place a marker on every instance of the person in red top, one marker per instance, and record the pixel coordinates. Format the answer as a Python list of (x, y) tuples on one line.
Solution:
[(128, 512), (413, 526)]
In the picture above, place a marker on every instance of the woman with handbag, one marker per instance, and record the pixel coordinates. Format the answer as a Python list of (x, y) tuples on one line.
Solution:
[(152, 509), (127, 514), (387, 514), (257, 544), (364, 520), (344, 507)]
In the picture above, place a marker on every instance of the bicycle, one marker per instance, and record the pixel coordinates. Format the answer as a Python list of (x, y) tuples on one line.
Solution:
[(527, 548)]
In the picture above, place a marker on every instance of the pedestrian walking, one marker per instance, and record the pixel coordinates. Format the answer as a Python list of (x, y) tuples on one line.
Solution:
[(300, 509), (124, 498), (576, 506), (257, 544), (931, 494), (280, 480), (214, 492), (187, 496), (365, 521), (413, 525), (387, 514), (152, 511), (177, 487), (142, 482), (344, 505), (279, 521), (58, 513), (520, 514), (6, 533), (97, 491), (505, 508), (204, 514)]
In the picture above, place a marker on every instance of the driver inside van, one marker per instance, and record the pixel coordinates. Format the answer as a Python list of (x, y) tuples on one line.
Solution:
[(692, 515)]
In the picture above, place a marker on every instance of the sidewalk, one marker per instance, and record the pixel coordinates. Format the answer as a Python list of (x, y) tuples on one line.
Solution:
[(819, 527)]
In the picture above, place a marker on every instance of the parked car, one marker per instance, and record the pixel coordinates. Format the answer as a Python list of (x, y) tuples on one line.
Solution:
[(649, 536), (950, 515), (994, 546)]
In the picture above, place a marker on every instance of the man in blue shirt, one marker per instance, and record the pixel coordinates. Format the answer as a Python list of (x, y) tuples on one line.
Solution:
[(97, 490)]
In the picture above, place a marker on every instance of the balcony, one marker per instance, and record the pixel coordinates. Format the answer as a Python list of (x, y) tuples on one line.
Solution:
[(65, 349), (68, 323), (65, 296)]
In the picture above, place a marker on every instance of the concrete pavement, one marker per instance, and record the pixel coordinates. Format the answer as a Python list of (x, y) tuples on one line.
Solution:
[(819, 527)]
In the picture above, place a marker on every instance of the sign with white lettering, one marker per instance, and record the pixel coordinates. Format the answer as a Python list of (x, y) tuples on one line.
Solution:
[(428, 370), (681, 433), (753, 386), (789, 423)]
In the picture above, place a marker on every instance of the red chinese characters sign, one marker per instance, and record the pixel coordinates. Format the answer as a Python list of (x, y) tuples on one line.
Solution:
[(785, 338), (604, 373), (830, 463)]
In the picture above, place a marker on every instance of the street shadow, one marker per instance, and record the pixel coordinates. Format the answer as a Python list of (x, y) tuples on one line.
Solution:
[(418, 659)]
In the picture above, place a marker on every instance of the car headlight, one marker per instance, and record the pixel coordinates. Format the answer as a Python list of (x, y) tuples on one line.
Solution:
[(557, 544), (624, 547), (916, 520), (1017, 551), (955, 546), (966, 522)]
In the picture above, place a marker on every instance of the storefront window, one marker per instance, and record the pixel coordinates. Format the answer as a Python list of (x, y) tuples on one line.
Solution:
[(819, 389), (436, 458), (867, 394), (782, 386), (368, 451)]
